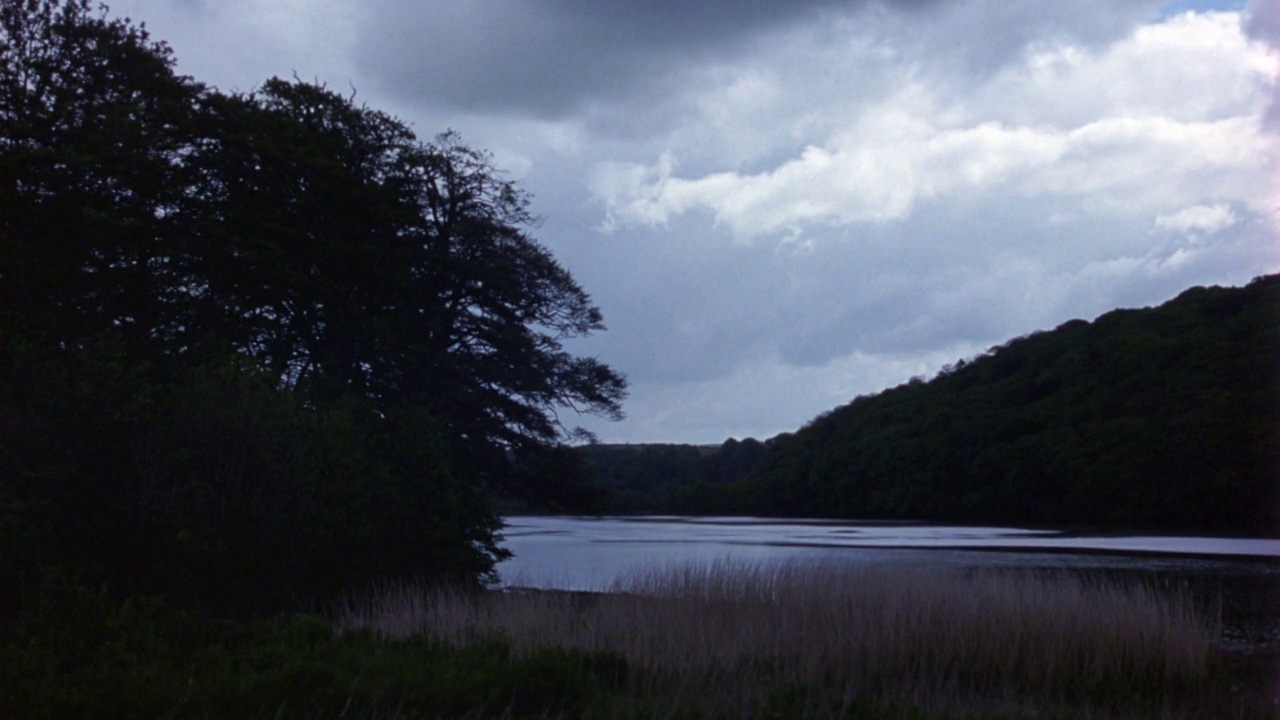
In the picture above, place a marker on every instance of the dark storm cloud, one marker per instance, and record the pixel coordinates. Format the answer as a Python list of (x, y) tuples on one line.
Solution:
[(546, 57), (1262, 23), (953, 40)]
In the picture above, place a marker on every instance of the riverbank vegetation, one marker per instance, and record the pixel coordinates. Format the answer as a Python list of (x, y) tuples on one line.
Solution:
[(719, 641)]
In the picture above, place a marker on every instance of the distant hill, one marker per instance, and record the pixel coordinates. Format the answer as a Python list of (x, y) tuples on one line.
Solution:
[(1165, 418)]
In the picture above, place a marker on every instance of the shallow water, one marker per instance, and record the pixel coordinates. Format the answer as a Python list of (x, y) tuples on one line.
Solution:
[(1242, 576)]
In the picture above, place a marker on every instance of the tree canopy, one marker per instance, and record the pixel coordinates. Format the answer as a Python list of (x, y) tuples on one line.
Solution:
[(679, 479), (1165, 418), (294, 266), (346, 256)]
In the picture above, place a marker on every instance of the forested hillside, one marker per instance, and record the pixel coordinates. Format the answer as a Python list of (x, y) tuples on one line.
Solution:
[(1164, 418)]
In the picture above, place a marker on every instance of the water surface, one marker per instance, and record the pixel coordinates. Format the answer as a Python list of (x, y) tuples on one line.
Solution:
[(587, 553)]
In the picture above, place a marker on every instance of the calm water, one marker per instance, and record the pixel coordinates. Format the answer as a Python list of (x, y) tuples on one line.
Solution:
[(577, 553)]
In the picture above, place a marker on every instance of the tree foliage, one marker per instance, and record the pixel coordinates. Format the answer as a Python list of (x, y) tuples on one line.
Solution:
[(270, 341), (680, 479), (1165, 418), (346, 256)]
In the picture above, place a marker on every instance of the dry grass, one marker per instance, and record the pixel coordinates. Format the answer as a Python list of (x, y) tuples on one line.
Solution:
[(733, 635)]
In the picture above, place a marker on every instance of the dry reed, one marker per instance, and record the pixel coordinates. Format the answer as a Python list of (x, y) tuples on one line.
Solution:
[(730, 634)]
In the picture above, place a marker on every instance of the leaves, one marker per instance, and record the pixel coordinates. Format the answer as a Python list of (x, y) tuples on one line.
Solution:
[(1162, 418), (285, 344)]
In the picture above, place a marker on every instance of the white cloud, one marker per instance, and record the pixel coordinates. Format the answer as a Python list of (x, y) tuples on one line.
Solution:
[(1192, 67), (1137, 163), (1199, 219), (1169, 116)]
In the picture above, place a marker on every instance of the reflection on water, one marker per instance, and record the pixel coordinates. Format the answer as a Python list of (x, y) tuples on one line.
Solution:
[(1242, 576)]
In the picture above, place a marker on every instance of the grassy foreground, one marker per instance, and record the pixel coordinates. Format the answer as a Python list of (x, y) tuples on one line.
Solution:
[(719, 641)]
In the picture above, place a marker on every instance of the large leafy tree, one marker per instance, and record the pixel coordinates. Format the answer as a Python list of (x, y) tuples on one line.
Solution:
[(95, 123), (347, 255), (358, 325)]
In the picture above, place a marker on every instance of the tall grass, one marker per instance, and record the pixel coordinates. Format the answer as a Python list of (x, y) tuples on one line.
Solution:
[(824, 639)]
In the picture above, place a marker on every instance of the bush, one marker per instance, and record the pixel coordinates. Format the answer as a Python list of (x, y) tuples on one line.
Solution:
[(84, 655), (224, 494)]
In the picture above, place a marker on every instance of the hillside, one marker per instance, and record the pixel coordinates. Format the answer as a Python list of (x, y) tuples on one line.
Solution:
[(1165, 418)]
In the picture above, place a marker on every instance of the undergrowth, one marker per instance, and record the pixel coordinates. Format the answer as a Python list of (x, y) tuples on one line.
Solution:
[(75, 652)]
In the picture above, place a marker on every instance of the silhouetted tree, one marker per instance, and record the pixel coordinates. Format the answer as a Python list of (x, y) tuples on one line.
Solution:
[(271, 340)]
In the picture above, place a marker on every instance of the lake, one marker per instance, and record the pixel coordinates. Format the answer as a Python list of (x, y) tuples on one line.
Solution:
[(589, 553)]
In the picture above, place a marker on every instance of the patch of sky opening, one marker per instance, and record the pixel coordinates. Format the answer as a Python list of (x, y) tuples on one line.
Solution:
[(1177, 7)]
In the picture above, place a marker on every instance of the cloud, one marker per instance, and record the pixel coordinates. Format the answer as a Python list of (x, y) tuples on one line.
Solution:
[(1198, 219), (1154, 138), (1262, 21), (238, 44), (556, 58), (550, 58), (802, 202), (763, 397), (901, 208)]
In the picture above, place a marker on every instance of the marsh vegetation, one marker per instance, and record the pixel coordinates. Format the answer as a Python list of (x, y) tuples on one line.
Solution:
[(709, 641), (821, 640)]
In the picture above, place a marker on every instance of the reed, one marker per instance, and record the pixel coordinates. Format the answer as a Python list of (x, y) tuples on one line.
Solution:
[(825, 638)]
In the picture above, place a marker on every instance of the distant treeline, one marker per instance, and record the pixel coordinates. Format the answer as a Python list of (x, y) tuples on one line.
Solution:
[(664, 478), (1164, 418)]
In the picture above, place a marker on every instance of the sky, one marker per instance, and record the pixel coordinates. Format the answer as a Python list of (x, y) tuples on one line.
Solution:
[(780, 206)]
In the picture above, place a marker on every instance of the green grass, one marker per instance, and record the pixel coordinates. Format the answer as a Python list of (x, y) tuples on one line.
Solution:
[(82, 656), (711, 642)]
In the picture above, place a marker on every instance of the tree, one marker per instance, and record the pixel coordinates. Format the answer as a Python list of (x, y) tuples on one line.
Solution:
[(95, 123), (345, 255), (307, 260)]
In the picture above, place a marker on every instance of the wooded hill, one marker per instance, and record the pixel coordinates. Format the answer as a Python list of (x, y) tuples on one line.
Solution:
[(1164, 418)]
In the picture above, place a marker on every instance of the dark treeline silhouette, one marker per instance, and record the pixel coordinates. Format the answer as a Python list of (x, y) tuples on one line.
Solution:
[(1164, 418), (668, 478), (260, 348)]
